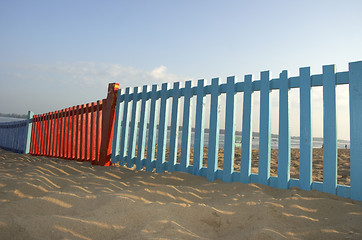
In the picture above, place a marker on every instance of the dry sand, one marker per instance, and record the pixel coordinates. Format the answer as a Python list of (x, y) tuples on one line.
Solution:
[(48, 198)]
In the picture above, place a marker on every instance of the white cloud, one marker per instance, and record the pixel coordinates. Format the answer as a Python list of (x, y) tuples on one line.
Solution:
[(92, 74), (159, 72)]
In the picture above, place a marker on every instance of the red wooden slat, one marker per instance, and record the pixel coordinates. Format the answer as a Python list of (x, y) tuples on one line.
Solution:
[(41, 134), (87, 128), (66, 133), (58, 134), (40, 131), (69, 127), (54, 134), (61, 136), (108, 116), (49, 134), (51, 148), (33, 134), (51, 138), (70, 132), (73, 131), (92, 133), (45, 135), (63, 132), (52, 153), (98, 132), (46, 146), (76, 129), (81, 134)]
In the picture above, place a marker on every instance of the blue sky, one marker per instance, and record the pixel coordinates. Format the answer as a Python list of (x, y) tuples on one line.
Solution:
[(56, 54)]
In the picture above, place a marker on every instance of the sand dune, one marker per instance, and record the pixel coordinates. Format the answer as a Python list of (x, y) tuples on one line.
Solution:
[(48, 198)]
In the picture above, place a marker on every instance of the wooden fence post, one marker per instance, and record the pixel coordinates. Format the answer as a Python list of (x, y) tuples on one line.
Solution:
[(213, 151), (355, 99), (246, 147), (28, 131), (108, 112), (264, 139), (329, 130)]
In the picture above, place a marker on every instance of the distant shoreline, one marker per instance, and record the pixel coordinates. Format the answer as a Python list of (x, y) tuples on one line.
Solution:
[(9, 119)]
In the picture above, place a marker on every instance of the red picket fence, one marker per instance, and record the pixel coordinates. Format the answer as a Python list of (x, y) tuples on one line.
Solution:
[(82, 132)]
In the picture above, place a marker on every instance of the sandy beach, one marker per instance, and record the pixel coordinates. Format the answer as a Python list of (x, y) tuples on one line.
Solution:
[(48, 198)]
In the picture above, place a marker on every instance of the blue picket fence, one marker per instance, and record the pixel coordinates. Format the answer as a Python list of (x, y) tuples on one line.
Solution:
[(143, 113), (15, 136)]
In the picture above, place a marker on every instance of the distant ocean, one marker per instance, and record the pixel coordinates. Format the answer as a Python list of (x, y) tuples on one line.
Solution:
[(294, 141), (7, 119)]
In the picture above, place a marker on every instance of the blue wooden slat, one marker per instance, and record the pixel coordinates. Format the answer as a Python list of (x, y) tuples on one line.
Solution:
[(305, 167), (16, 138), (162, 130), (229, 142), (213, 148), (317, 80), (133, 130), (355, 101), (142, 130), (264, 141), (174, 128), (329, 130), (199, 128), (22, 139), (186, 129), (284, 135), (117, 128), (152, 130), (239, 87), (342, 78), (125, 126), (344, 191), (247, 131)]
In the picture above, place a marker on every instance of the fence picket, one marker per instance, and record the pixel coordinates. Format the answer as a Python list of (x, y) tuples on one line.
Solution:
[(284, 135), (229, 142), (264, 140), (199, 128), (117, 127), (213, 148), (152, 130), (81, 134), (29, 131), (62, 133), (124, 133), (306, 150), (186, 129), (93, 132), (133, 130), (172, 158), (87, 132), (142, 130), (355, 93), (246, 143), (329, 130), (98, 130), (162, 130), (72, 136)]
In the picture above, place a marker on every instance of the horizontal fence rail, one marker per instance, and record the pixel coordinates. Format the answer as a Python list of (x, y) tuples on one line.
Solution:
[(15, 136), (141, 115), (78, 133)]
